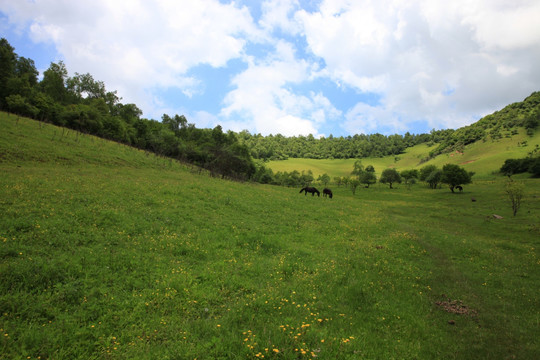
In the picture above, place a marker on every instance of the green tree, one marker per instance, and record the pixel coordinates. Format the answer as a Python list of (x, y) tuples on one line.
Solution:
[(324, 179), (307, 177), (358, 169), (26, 68), (84, 86), (178, 122), (20, 106), (368, 176), (54, 82), (390, 176), (354, 184), (534, 167), (454, 175), (410, 175), (8, 61), (426, 171), (514, 190), (434, 178)]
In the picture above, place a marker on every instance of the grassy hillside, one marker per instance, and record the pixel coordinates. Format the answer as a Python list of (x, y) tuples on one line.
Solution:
[(484, 158), (107, 252)]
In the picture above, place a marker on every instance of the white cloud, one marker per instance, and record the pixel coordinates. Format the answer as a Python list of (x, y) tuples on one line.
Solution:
[(412, 53), (264, 98), (441, 62), (136, 46), (277, 14)]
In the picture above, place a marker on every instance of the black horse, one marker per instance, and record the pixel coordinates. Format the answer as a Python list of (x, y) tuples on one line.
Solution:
[(310, 189), (460, 188), (327, 191)]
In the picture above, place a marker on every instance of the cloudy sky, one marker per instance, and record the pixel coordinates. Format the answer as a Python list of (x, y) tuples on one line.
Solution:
[(293, 67)]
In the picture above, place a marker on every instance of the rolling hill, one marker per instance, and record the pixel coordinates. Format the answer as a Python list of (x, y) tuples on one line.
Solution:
[(481, 147), (484, 158)]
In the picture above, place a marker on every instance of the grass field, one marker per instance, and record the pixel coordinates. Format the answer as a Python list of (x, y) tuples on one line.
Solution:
[(484, 158), (112, 253)]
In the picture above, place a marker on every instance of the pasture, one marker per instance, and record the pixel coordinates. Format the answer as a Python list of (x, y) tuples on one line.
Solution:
[(484, 158), (112, 253)]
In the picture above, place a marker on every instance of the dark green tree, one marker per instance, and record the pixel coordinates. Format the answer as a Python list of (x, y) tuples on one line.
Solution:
[(454, 175), (390, 177), (54, 82), (368, 176), (410, 176), (20, 106), (534, 167), (426, 171), (434, 178), (511, 167), (8, 61), (324, 179), (354, 185)]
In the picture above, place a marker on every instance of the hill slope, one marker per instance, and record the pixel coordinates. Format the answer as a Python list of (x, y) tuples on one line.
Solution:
[(485, 158), (109, 252)]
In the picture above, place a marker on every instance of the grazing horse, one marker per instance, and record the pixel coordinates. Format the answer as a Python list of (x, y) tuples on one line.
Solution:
[(326, 192), (310, 189), (460, 188)]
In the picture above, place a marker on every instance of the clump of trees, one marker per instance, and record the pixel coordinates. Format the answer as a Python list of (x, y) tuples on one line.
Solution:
[(410, 176), (431, 175), (451, 174), (363, 175), (519, 166)]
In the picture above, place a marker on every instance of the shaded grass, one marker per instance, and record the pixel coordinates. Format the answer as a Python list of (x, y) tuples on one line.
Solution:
[(144, 259)]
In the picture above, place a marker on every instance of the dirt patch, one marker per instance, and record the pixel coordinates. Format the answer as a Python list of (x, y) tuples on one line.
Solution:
[(456, 307), (467, 162)]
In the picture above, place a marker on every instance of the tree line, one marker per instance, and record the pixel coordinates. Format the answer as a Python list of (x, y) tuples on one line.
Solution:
[(84, 104), (503, 123)]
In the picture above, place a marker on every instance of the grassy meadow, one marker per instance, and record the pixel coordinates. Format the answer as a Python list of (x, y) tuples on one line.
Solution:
[(107, 252), (484, 158)]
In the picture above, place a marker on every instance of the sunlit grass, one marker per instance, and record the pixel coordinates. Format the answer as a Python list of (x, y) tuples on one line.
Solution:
[(483, 157), (141, 258)]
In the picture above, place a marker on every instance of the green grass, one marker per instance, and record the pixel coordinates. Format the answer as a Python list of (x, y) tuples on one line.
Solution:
[(484, 158), (111, 253)]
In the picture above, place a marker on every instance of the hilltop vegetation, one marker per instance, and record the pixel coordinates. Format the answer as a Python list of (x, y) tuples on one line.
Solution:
[(484, 158), (83, 104), (501, 124)]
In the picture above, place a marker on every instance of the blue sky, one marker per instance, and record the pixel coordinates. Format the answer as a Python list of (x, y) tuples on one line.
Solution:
[(320, 67)]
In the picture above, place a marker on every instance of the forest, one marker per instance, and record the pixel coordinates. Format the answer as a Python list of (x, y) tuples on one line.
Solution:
[(84, 104)]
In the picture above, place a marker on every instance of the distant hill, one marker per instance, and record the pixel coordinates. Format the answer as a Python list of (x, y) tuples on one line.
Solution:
[(501, 124), (481, 147), (507, 122)]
